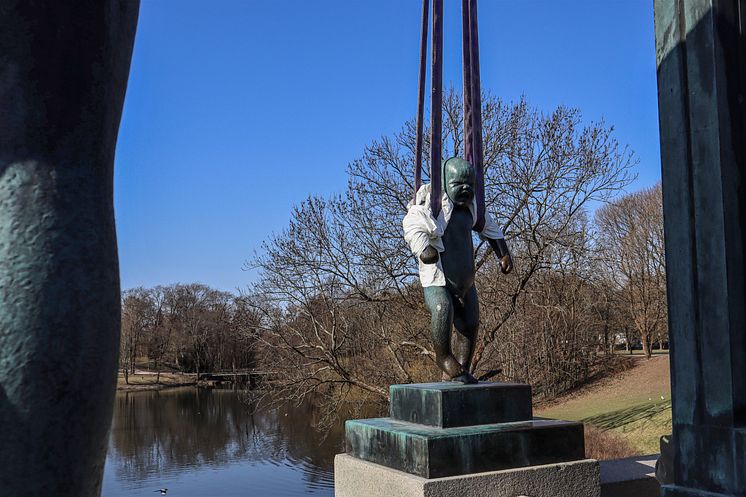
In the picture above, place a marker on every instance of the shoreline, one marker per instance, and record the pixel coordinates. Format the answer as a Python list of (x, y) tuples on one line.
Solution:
[(146, 381)]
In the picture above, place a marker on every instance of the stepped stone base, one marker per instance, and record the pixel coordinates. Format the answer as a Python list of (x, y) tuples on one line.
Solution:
[(357, 478), (453, 440), (432, 452)]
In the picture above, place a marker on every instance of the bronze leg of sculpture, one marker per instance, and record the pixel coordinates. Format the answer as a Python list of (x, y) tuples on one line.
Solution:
[(63, 75), (440, 304), (466, 323)]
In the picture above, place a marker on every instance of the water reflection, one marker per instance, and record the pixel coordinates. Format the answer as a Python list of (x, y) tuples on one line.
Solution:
[(208, 442)]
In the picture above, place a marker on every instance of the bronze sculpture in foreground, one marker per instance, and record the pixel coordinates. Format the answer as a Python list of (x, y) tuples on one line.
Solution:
[(445, 253)]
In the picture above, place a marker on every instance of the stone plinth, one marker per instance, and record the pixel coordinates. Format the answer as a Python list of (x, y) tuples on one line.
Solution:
[(356, 478), (451, 404), (432, 452), (445, 429)]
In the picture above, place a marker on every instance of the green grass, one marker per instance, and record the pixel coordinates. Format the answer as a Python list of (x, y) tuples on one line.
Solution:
[(641, 425), (591, 406), (617, 419), (636, 406)]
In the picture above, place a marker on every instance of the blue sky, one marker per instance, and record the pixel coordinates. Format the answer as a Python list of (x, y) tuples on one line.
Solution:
[(237, 109)]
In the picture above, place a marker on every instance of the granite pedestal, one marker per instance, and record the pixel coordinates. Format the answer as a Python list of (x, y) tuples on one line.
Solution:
[(354, 477), (447, 430)]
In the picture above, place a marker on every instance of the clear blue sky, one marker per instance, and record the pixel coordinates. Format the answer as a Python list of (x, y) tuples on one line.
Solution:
[(237, 109)]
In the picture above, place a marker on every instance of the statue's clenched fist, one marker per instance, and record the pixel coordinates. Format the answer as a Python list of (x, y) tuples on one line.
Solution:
[(506, 264), (429, 255)]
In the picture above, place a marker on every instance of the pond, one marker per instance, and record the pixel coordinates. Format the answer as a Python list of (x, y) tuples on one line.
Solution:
[(209, 443)]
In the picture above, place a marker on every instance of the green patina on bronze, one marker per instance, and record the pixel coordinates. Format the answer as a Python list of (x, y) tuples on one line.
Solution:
[(451, 404), (433, 452), (456, 305), (700, 46), (447, 429), (63, 74)]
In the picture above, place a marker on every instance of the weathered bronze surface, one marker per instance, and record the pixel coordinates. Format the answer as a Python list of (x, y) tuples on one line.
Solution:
[(448, 429), (456, 305), (434, 452), (450, 404), (701, 48), (63, 74)]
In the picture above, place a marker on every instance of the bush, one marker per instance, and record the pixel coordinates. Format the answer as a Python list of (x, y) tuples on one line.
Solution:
[(604, 445)]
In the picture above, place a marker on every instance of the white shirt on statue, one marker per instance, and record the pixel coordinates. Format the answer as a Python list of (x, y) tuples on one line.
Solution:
[(421, 230)]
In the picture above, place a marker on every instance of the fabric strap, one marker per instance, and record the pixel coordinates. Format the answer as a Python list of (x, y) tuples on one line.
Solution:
[(473, 146), (421, 98), (473, 150)]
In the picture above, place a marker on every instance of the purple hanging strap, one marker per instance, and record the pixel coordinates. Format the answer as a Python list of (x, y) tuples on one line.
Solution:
[(473, 146), (436, 109), (421, 99), (466, 48)]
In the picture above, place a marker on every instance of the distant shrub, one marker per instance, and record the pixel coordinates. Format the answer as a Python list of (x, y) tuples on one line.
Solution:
[(605, 445)]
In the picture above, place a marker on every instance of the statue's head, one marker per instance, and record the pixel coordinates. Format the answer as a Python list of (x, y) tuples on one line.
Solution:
[(459, 180)]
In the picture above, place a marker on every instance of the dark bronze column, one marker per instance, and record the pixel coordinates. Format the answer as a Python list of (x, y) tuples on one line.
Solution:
[(63, 75), (700, 52)]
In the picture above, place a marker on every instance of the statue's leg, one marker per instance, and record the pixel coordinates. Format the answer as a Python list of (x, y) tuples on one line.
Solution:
[(63, 74), (440, 304), (466, 323)]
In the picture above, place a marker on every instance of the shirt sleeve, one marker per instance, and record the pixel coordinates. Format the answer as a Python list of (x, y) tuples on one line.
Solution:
[(420, 228), (417, 229), (491, 228)]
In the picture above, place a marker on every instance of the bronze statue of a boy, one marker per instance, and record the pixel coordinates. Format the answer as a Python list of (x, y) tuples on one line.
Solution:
[(445, 253)]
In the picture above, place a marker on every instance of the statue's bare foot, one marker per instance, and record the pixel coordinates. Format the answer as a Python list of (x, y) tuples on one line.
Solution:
[(450, 365), (466, 378), (455, 370)]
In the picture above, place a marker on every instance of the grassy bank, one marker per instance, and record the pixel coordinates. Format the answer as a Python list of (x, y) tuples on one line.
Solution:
[(633, 407)]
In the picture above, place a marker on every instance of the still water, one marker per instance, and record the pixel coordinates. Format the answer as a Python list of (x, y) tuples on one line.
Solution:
[(208, 443)]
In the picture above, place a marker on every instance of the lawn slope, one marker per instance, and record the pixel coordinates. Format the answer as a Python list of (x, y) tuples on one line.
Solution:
[(634, 405)]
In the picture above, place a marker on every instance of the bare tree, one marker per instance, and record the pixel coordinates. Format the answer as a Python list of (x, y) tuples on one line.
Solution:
[(631, 234), (198, 327), (159, 338), (200, 316), (338, 293), (332, 318), (137, 320), (551, 339), (541, 173)]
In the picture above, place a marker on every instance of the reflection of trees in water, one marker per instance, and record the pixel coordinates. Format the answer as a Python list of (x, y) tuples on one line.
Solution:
[(178, 430)]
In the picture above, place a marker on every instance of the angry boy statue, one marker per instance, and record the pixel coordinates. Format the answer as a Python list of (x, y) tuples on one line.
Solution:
[(445, 253)]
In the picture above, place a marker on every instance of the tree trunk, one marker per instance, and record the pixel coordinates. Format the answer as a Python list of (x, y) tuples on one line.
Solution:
[(645, 339)]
